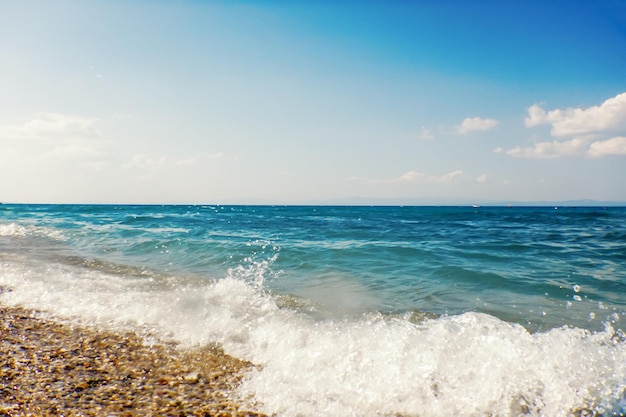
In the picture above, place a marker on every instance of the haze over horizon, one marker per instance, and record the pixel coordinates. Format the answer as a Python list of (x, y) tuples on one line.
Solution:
[(275, 102)]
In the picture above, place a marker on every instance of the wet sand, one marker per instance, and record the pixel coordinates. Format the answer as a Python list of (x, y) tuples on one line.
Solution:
[(49, 368)]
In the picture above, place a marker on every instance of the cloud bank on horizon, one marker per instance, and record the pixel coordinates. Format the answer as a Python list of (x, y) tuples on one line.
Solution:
[(277, 103)]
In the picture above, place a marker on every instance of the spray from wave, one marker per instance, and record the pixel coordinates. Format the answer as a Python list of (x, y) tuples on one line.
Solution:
[(361, 365)]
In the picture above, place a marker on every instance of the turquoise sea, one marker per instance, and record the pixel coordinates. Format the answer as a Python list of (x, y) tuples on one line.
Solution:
[(351, 311)]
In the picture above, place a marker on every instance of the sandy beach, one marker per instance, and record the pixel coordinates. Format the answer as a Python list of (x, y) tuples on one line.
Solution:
[(49, 368)]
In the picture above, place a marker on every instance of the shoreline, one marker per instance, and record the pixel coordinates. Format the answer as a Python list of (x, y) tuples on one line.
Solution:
[(51, 368)]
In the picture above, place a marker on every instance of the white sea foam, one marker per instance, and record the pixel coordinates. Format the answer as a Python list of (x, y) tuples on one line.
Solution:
[(12, 229), (16, 230), (467, 365)]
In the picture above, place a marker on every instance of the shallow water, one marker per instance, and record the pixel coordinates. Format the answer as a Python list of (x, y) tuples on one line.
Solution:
[(351, 310)]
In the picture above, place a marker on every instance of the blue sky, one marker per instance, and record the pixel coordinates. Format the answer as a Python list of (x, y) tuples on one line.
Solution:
[(312, 101)]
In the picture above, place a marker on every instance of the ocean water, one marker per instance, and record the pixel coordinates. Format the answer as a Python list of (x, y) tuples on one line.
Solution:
[(351, 311)]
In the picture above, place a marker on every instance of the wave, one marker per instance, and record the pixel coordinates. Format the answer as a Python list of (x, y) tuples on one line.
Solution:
[(16, 230), (367, 364)]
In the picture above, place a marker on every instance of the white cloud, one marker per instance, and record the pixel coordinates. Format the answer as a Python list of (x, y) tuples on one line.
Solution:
[(476, 123), (554, 149), (482, 178), (595, 131), (609, 117), (613, 146), (536, 116)]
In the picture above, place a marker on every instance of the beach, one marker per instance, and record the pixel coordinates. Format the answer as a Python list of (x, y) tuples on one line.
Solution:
[(51, 368), (343, 311)]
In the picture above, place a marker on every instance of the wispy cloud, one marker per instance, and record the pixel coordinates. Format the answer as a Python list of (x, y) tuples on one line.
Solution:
[(414, 177), (199, 158), (54, 136), (471, 124), (145, 162), (426, 134), (554, 149), (142, 161), (595, 131), (44, 126)]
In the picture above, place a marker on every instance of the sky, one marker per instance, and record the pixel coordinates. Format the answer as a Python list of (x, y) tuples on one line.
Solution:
[(298, 102)]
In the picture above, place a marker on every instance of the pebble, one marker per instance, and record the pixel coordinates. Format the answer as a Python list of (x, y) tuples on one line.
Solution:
[(48, 369)]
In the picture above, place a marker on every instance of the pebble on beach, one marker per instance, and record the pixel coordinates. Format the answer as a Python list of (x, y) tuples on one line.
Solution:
[(49, 369)]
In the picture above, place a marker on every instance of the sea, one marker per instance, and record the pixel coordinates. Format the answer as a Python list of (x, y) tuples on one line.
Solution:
[(350, 311)]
